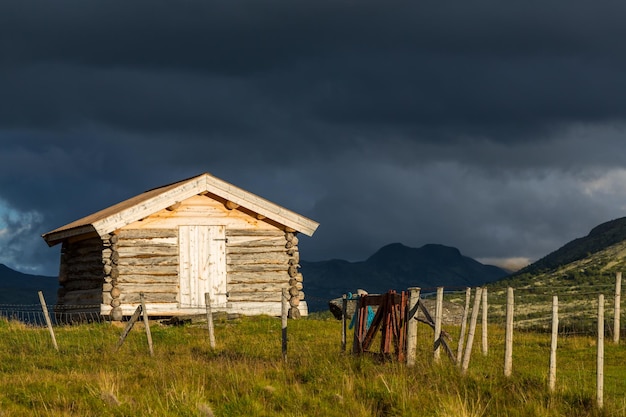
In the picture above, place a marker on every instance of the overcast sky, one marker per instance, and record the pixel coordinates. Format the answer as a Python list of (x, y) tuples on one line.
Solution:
[(495, 127)]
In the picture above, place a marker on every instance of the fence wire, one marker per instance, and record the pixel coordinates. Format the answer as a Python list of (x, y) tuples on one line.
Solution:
[(578, 334), (24, 329), (33, 314)]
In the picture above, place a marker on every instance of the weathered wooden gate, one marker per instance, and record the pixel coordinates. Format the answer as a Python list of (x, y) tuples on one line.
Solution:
[(390, 318), (395, 319)]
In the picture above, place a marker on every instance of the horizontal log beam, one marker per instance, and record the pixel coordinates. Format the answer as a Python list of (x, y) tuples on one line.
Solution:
[(149, 261), (156, 241), (147, 270), (255, 249), (146, 233), (129, 252), (83, 285), (78, 270), (148, 288), (258, 258), (246, 277), (251, 296), (127, 298), (254, 233), (84, 251), (251, 242), (92, 258), (256, 268), (78, 297), (148, 279), (256, 287)]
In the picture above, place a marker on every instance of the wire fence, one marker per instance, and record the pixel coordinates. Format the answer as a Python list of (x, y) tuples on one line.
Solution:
[(84, 329), (571, 335), (578, 331), (33, 314), (562, 325), (533, 308)]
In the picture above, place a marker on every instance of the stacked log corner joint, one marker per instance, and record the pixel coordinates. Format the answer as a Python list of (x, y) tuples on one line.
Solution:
[(295, 277), (111, 273)]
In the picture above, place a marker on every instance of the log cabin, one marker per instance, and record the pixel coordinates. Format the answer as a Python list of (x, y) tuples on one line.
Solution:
[(174, 244)]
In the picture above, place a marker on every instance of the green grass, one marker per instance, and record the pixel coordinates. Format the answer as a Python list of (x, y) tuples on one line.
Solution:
[(246, 376)]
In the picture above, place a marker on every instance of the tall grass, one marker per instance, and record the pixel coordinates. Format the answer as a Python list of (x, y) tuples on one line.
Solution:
[(246, 376)]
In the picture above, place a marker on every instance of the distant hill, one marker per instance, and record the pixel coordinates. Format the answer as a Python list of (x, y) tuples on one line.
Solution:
[(19, 288), (587, 262), (598, 240), (394, 266), (577, 273)]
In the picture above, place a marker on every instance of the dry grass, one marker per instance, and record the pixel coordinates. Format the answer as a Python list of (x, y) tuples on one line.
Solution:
[(245, 375)]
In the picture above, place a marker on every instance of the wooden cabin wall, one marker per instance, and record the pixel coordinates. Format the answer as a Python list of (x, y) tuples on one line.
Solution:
[(261, 259), (259, 264), (81, 275), (143, 261)]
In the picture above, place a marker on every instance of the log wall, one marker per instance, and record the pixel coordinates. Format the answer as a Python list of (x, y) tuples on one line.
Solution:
[(260, 263), (261, 258), (81, 275), (142, 260)]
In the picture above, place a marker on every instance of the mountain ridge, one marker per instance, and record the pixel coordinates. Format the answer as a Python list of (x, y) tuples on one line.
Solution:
[(394, 266)]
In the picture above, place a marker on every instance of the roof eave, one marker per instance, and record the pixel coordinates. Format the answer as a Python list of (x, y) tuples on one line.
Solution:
[(54, 238), (181, 191)]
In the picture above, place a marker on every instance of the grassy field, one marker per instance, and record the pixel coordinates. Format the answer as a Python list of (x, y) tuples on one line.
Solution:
[(246, 376)]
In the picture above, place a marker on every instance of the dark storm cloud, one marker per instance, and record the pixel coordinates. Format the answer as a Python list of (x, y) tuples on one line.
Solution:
[(490, 126), (483, 68), (485, 215), (162, 34), (485, 98), (59, 96)]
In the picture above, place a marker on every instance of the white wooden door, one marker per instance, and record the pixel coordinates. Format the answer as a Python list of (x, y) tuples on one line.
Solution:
[(202, 265)]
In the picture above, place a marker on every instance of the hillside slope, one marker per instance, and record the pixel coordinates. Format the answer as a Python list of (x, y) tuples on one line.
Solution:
[(599, 239), (576, 273), (590, 260), (19, 288), (394, 266)]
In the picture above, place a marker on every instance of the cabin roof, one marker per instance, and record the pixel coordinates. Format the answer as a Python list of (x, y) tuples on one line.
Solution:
[(128, 211)]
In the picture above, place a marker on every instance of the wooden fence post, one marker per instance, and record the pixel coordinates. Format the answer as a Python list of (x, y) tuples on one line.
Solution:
[(146, 323), (508, 337), (284, 313), (438, 320), (459, 350), (209, 319), (46, 315), (485, 344), (618, 300), (472, 330), (600, 366), (344, 321), (555, 333), (411, 331)]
